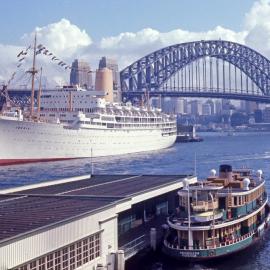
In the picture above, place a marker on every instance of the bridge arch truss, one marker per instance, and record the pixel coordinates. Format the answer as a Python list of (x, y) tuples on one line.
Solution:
[(200, 68)]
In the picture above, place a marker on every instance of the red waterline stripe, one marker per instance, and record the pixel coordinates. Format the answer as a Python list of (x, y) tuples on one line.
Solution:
[(5, 162)]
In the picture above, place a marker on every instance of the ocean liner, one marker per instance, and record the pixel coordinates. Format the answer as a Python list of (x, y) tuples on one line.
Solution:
[(72, 122), (219, 216)]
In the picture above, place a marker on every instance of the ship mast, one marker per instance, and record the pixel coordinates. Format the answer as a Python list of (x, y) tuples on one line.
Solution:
[(39, 90), (33, 71)]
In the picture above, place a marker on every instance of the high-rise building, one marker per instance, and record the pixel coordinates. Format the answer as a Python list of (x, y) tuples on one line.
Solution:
[(248, 106), (167, 105), (179, 105), (212, 106), (266, 115), (206, 109), (195, 107), (111, 64), (81, 74), (218, 107)]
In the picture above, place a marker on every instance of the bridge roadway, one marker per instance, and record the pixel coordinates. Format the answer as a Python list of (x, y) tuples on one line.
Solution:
[(130, 95)]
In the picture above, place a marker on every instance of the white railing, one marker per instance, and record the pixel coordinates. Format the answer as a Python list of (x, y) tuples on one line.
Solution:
[(133, 247), (220, 245)]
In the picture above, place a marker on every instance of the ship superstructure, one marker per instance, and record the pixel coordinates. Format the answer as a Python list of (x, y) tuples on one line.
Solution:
[(219, 216)]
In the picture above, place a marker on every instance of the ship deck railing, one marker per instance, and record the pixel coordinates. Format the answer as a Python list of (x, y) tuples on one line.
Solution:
[(183, 221), (220, 245)]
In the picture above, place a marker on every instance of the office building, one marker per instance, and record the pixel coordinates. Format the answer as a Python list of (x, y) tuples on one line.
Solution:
[(81, 74)]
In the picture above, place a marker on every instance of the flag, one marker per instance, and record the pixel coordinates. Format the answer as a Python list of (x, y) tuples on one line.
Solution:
[(20, 54)]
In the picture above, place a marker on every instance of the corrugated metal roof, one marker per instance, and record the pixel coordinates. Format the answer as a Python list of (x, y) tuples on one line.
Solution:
[(27, 210)]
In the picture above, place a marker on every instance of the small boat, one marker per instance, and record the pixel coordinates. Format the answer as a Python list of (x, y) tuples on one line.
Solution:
[(219, 216)]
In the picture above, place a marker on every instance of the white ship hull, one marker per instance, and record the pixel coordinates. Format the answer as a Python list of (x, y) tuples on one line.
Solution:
[(23, 141)]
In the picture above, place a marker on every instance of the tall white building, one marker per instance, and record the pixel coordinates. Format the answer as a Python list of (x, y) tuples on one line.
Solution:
[(206, 109), (218, 107)]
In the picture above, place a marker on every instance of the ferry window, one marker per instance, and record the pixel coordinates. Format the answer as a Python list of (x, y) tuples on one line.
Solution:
[(235, 200)]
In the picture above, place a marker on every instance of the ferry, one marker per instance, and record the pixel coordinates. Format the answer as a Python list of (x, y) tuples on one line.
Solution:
[(218, 216)]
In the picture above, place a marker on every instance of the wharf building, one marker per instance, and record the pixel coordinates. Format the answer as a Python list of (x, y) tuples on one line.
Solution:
[(89, 222), (81, 74)]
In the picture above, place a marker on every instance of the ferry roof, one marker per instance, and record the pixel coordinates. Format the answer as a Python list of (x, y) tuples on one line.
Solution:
[(33, 208)]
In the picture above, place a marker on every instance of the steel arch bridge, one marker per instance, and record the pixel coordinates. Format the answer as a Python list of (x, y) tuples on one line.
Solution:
[(206, 68)]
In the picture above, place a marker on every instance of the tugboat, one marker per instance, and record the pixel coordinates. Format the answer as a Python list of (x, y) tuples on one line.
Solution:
[(219, 216)]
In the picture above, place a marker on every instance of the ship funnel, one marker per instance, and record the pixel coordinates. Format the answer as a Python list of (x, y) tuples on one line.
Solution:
[(259, 174), (246, 183), (213, 172), (225, 171), (104, 82)]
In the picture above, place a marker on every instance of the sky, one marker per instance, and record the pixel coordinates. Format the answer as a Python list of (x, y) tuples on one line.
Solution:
[(121, 29)]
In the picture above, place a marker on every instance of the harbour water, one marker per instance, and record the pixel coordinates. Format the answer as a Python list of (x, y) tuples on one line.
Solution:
[(241, 150)]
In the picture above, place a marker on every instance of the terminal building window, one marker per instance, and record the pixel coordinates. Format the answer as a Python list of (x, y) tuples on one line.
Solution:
[(162, 208), (67, 258), (126, 224)]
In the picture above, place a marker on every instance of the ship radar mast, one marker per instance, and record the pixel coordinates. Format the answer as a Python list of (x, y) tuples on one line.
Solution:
[(33, 71)]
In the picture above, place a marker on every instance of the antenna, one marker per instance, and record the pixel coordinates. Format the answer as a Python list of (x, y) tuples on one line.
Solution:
[(195, 163), (92, 165)]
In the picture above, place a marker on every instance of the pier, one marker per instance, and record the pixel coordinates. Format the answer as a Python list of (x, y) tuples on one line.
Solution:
[(91, 221)]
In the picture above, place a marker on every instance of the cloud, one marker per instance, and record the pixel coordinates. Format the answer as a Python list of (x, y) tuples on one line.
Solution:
[(8, 60), (258, 25), (61, 37), (148, 39), (68, 42), (258, 14)]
